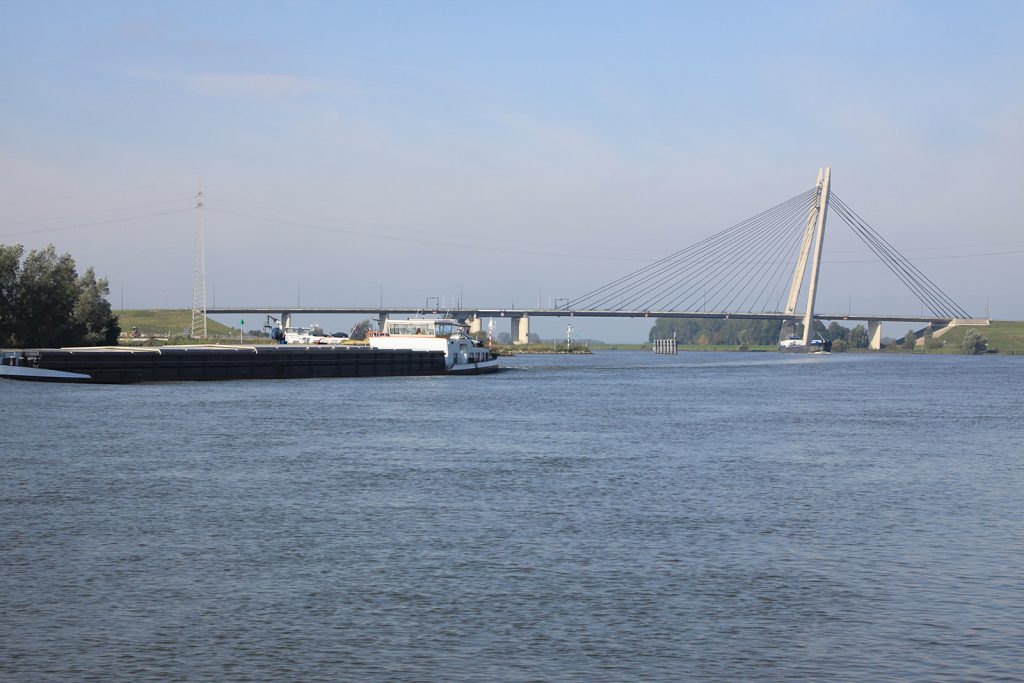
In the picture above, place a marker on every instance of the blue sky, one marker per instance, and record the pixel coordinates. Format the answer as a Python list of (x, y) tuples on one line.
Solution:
[(431, 147)]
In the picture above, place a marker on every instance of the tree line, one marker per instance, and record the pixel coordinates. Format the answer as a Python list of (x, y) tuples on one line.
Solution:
[(44, 302), (714, 332), (745, 333)]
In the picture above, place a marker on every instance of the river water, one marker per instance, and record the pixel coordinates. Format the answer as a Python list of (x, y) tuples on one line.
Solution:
[(621, 516)]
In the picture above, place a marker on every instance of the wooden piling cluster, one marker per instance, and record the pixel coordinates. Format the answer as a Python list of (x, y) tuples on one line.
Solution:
[(666, 346)]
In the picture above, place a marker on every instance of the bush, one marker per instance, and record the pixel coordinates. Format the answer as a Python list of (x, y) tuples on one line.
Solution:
[(744, 337), (858, 337), (974, 343)]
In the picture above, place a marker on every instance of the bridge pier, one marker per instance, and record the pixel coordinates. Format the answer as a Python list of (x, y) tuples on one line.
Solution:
[(474, 325), (520, 329), (382, 320), (286, 320), (874, 335)]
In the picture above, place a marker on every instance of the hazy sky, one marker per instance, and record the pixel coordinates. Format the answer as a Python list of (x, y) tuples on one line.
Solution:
[(511, 151)]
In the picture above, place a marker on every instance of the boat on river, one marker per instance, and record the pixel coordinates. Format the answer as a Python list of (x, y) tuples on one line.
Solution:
[(795, 344), (126, 365), (463, 354), (402, 348)]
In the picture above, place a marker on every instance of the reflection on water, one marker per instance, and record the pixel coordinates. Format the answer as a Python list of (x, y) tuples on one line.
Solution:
[(607, 517)]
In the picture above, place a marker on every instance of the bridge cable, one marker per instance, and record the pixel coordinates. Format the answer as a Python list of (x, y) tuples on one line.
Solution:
[(665, 262), (940, 303), (642, 281), (795, 222), (949, 307), (777, 274), (689, 287), (902, 273), (779, 277), (736, 250), (697, 264)]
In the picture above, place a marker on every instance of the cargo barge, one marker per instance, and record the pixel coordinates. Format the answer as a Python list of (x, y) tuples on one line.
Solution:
[(117, 365)]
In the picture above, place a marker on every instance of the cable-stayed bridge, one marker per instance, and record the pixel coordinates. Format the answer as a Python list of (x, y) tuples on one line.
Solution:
[(746, 271)]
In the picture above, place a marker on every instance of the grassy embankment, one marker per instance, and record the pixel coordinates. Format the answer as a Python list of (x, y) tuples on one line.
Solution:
[(539, 348), (169, 323), (1004, 336)]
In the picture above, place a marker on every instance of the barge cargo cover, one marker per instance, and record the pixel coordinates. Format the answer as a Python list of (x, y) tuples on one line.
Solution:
[(117, 365)]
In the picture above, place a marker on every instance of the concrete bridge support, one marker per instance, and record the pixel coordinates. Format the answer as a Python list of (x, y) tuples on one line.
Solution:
[(382, 320), (874, 335), (520, 329), (474, 325), (286, 320), (812, 288)]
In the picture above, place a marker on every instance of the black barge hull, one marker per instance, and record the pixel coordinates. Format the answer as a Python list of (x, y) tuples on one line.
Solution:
[(209, 363)]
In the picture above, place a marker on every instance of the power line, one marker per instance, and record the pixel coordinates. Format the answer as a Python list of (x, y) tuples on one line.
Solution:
[(937, 258), (93, 224), (369, 229), (91, 213), (426, 242)]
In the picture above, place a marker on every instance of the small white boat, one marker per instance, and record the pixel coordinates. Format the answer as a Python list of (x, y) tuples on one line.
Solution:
[(795, 344), (463, 354)]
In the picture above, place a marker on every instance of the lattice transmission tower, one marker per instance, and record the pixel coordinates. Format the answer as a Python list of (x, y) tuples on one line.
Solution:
[(199, 272)]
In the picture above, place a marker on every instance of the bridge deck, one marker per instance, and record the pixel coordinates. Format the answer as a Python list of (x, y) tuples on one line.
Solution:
[(564, 313)]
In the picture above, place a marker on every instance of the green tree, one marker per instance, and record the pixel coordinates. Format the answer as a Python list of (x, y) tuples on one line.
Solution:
[(94, 322), (47, 292), (858, 338), (909, 340), (43, 302), (836, 332), (744, 337), (10, 273), (686, 330), (974, 342), (720, 331)]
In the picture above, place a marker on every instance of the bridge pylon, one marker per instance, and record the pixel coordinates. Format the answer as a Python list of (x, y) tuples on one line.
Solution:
[(814, 236)]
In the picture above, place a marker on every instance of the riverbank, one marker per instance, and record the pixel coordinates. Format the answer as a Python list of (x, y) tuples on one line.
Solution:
[(540, 349)]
